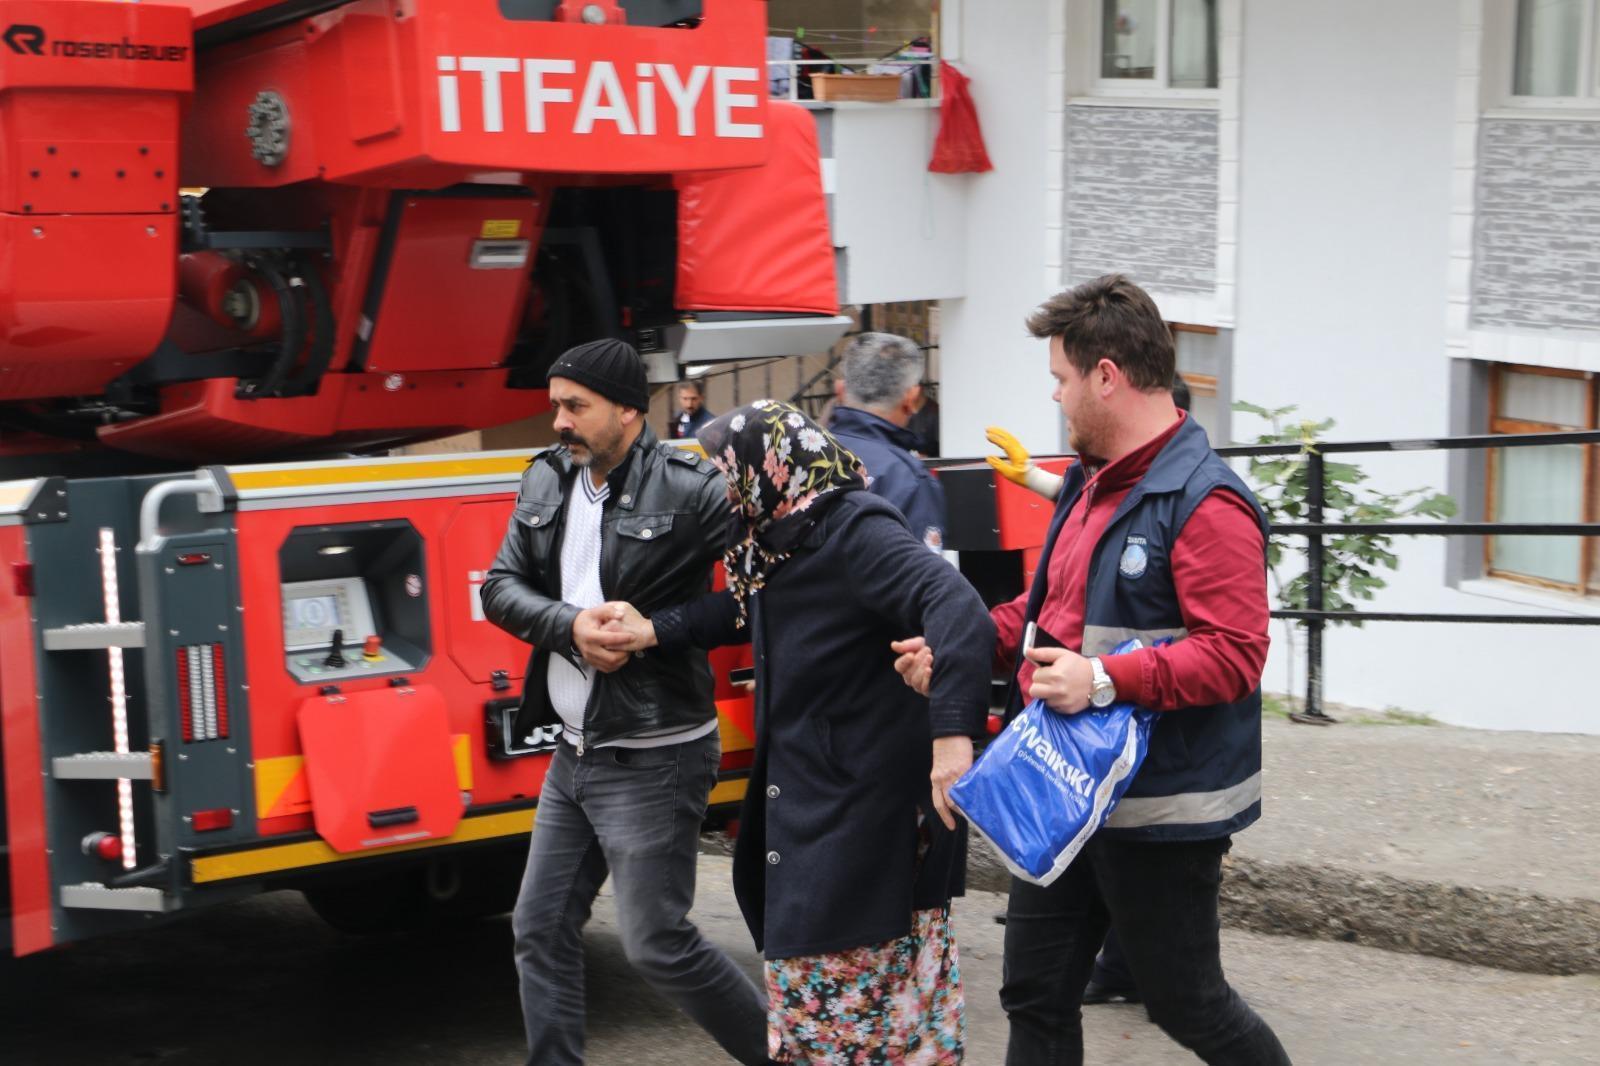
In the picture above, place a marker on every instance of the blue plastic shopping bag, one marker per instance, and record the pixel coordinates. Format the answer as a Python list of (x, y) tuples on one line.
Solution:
[(1043, 787)]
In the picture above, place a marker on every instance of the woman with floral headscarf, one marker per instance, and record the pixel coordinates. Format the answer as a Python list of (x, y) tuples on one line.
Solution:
[(848, 852)]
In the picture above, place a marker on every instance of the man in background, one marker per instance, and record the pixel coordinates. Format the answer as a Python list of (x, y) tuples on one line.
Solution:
[(881, 388), (692, 412)]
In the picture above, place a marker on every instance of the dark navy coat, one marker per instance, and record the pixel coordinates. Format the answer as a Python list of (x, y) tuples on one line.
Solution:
[(892, 471), (827, 856), (684, 425)]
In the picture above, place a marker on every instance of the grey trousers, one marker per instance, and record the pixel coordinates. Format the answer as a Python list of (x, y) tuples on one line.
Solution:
[(636, 813)]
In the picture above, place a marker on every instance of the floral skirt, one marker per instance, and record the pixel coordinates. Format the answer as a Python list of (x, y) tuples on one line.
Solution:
[(897, 1003)]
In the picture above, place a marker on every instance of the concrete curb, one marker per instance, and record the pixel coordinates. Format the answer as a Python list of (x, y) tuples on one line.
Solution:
[(1505, 929), (1487, 927)]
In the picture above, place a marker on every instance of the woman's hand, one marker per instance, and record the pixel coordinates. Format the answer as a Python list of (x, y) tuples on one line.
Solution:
[(952, 757), (629, 630), (915, 663), (601, 647)]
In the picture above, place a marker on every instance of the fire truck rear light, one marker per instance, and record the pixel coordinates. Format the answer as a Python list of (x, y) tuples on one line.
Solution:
[(202, 692), (22, 580), (220, 684), (194, 558), (185, 720), (158, 766), (106, 847), (207, 821)]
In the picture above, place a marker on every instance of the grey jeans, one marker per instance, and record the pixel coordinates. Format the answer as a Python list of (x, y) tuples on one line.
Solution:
[(637, 813)]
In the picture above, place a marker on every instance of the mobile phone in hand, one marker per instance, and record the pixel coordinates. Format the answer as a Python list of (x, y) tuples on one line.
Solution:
[(1036, 636)]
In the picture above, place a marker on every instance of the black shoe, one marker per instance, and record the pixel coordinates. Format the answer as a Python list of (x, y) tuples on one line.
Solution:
[(1097, 993)]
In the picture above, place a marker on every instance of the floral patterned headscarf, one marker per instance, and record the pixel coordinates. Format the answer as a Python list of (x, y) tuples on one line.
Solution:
[(778, 465)]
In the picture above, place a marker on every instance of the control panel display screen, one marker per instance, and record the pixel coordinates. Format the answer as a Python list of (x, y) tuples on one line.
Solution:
[(314, 612)]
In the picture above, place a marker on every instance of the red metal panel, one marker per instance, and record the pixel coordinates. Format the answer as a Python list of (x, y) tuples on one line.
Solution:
[(431, 269), (478, 646), (208, 13), (206, 418), (87, 44), (82, 299), (1024, 514), (468, 99), (275, 697), (461, 535), (88, 151), (23, 768), (82, 128), (758, 239), (88, 185), (380, 767)]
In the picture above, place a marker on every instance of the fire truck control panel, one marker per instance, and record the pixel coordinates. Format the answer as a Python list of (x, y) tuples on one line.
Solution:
[(354, 601)]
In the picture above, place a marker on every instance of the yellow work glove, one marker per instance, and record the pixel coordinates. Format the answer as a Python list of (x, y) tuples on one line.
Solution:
[(1016, 464)]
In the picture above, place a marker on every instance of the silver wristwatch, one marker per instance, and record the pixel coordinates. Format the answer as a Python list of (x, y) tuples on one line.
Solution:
[(1104, 693)]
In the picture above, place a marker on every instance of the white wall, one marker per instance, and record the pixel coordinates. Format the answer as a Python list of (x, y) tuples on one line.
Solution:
[(1346, 158), (903, 229), (993, 372)]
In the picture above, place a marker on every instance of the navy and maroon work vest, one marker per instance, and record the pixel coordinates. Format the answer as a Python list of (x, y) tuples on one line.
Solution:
[(1202, 776)]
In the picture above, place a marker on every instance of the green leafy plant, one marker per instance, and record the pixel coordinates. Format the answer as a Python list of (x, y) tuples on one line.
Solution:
[(1352, 563)]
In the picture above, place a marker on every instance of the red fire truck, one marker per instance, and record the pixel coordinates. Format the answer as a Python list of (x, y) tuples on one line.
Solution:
[(249, 245)]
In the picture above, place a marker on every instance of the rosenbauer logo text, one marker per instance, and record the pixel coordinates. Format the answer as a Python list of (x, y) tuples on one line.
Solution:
[(32, 40)]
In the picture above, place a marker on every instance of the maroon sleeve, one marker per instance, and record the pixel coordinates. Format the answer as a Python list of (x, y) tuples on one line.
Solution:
[(1219, 571), (1007, 619)]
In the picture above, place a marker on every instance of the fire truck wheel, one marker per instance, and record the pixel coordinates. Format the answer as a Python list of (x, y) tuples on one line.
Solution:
[(370, 905), (445, 891)]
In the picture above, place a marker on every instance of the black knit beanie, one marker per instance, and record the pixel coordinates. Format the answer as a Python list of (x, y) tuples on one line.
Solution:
[(608, 366)]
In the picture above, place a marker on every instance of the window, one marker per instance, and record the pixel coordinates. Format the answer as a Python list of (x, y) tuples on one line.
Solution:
[(1157, 45), (683, 14), (1555, 51), (1554, 483), (882, 37), (1199, 365)]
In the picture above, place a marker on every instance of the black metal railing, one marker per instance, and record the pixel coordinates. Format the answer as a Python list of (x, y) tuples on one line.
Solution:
[(1314, 529)]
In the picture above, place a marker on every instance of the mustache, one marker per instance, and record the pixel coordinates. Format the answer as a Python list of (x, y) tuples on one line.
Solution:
[(570, 438)]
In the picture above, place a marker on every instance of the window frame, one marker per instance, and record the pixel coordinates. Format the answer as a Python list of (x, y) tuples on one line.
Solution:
[(1588, 64), (1588, 583), (1158, 87), (1206, 386)]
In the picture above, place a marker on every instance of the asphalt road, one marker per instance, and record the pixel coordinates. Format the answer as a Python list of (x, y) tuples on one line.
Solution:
[(265, 982)]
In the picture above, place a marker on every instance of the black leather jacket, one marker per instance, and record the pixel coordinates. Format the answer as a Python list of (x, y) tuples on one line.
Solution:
[(663, 526)]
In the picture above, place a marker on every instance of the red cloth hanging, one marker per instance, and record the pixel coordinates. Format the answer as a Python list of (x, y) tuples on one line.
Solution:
[(959, 148)]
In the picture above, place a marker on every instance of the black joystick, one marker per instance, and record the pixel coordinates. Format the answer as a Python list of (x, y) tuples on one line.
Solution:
[(335, 658)]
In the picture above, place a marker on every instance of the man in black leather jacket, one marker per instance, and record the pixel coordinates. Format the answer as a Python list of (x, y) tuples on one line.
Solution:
[(614, 514)]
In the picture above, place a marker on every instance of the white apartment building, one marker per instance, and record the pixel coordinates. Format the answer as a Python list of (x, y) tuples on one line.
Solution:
[(1387, 213)]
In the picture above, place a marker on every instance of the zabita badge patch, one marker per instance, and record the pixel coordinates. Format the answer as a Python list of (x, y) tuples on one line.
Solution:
[(1134, 558)]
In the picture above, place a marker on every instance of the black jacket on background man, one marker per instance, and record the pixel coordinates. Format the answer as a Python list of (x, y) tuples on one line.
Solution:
[(663, 526)]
